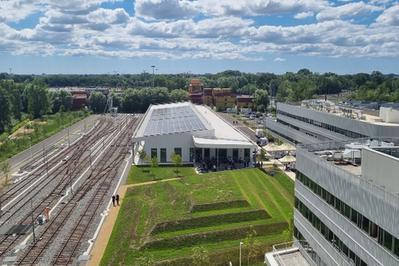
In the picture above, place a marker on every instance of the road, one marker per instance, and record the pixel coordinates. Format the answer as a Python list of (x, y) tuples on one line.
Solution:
[(250, 133)]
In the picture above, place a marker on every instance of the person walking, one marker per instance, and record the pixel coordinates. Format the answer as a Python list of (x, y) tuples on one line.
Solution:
[(117, 199), (113, 200)]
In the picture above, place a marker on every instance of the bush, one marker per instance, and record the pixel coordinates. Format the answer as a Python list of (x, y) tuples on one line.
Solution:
[(210, 221), (219, 205), (220, 235)]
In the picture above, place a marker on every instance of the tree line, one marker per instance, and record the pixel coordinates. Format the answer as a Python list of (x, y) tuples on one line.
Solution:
[(29, 94), (29, 99), (286, 87), (136, 100)]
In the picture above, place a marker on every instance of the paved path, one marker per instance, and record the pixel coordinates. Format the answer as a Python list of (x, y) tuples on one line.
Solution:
[(106, 230)]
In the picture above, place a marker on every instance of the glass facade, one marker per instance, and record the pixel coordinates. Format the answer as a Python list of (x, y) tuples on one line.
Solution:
[(329, 127), (163, 155), (154, 153), (191, 153), (178, 151), (327, 233), (384, 238)]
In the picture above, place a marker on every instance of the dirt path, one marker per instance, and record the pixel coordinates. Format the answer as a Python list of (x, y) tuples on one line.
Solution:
[(106, 229)]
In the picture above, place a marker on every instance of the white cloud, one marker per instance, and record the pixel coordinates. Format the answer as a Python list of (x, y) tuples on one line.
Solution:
[(259, 7), (279, 59), (390, 16), (164, 9), (223, 30), (347, 10), (303, 15)]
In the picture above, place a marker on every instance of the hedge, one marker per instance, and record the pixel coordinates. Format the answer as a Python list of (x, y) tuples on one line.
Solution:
[(220, 235), (221, 258), (210, 220), (219, 205)]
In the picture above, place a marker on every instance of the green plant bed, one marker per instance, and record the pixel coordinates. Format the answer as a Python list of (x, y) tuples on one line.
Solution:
[(210, 220), (140, 174), (146, 206), (200, 238), (218, 212), (215, 228), (219, 205), (221, 252)]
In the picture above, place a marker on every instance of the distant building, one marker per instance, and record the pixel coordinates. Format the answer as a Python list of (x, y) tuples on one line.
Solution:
[(195, 132), (223, 98), (207, 97), (195, 91), (79, 99), (245, 101), (318, 120)]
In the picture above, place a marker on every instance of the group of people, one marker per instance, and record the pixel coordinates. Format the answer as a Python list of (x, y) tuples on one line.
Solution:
[(115, 199)]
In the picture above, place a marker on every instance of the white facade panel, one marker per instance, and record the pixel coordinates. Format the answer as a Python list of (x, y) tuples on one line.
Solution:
[(381, 168)]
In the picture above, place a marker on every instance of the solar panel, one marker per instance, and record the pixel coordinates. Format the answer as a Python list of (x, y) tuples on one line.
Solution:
[(173, 120)]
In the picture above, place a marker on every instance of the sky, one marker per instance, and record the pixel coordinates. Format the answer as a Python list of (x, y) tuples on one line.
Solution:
[(198, 36)]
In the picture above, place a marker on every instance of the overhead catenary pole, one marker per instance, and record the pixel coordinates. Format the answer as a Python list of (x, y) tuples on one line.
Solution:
[(33, 223), (153, 76)]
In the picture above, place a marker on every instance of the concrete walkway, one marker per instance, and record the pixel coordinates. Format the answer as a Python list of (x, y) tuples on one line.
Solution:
[(106, 230)]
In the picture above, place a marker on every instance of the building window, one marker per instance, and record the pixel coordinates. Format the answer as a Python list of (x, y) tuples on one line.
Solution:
[(327, 233), (154, 153), (178, 151), (191, 152), (163, 155), (247, 153), (396, 250), (384, 238), (207, 154), (388, 240)]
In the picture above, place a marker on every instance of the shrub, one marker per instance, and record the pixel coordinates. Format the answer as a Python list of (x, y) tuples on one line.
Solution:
[(220, 235), (219, 205), (210, 220)]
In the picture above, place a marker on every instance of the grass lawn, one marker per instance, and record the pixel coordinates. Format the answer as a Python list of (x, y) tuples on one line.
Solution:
[(40, 130), (157, 223), (139, 174)]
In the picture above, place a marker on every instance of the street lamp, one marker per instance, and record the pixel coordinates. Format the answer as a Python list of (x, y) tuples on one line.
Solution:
[(241, 243), (153, 76)]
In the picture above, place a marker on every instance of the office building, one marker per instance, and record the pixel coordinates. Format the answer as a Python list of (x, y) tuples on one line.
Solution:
[(347, 202), (317, 121), (195, 132)]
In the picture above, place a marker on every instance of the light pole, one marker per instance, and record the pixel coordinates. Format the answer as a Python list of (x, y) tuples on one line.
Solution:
[(241, 243), (33, 223), (153, 76)]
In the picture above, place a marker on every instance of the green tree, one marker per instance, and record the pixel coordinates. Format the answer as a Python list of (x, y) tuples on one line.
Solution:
[(177, 161), (200, 256), (38, 100), (261, 99), (154, 164), (97, 102), (5, 167), (61, 101), (252, 245), (142, 155), (178, 95), (5, 110)]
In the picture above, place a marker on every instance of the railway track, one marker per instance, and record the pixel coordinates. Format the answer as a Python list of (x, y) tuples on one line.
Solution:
[(99, 183), (66, 172), (70, 151)]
